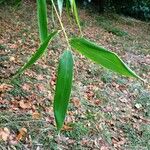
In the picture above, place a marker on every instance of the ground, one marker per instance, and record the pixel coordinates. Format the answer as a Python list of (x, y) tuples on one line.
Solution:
[(107, 111)]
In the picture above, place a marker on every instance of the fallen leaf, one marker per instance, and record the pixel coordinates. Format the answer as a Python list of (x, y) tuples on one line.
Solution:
[(76, 102), (26, 87), (25, 105), (12, 58), (5, 87), (22, 134), (4, 134), (36, 115), (97, 102), (67, 128), (12, 139)]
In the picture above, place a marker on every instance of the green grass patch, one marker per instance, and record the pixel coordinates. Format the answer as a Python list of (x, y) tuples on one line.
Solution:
[(106, 134), (39, 69), (79, 131), (17, 83), (136, 139), (17, 90), (107, 24), (2, 47), (144, 101), (40, 132)]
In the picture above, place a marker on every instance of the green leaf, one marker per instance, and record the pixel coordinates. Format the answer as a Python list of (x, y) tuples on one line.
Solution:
[(42, 19), (76, 14), (71, 4), (60, 6), (37, 54), (68, 8), (102, 56), (63, 88)]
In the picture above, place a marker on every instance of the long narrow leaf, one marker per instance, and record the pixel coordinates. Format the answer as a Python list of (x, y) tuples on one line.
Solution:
[(42, 19), (102, 56), (53, 16), (63, 88), (71, 4), (76, 15), (60, 6), (38, 53), (68, 8)]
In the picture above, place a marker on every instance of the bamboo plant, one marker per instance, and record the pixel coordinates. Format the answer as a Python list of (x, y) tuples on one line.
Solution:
[(91, 50)]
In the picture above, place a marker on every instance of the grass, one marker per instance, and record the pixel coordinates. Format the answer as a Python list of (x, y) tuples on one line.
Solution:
[(2, 47), (144, 100), (106, 134), (107, 24), (79, 131), (17, 86), (40, 70), (38, 129), (137, 140), (42, 134), (17, 90)]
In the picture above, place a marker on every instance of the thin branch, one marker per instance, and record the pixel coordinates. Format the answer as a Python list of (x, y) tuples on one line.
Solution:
[(62, 26)]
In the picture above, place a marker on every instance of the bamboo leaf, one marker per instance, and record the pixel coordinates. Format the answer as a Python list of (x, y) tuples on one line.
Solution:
[(71, 4), (42, 19), (60, 6), (102, 56), (75, 11), (63, 88), (68, 8), (53, 16), (37, 54)]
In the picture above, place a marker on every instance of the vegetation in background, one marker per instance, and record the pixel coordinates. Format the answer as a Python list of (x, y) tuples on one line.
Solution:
[(139, 9), (11, 2)]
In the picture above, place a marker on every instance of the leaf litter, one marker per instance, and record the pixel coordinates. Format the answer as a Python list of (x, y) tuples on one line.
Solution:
[(104, 112)]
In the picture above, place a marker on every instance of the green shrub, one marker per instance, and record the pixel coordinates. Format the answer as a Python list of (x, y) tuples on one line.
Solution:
[(10, 2), (141, 10), (135, 8)]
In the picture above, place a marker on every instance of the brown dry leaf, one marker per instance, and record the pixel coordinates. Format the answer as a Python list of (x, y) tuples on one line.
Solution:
[(25, 105), (5, 87), (4, 134), (12, 139), (53, 79), (26, 87), (12, 59), (76, 102), (14, 102), (22, 134), (36, 115), (97, 102), (67, 128), (89, 95)]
